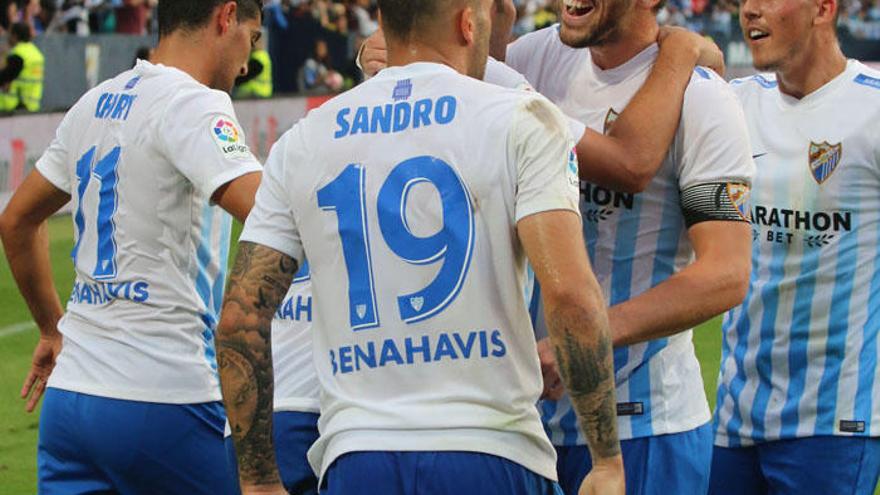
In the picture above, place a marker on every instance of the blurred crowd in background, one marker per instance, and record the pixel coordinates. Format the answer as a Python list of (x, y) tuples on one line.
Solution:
[(314, 42)]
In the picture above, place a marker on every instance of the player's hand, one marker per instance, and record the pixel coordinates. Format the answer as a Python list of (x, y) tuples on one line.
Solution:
[(606, 478), (708, 53), (373, 55), (43, 362), (275, 489), (553, 386)]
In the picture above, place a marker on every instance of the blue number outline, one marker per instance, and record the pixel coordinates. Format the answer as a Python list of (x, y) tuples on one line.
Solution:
[(83, 175), (405, 300), (108, 203), (105, 171), (328, 201)]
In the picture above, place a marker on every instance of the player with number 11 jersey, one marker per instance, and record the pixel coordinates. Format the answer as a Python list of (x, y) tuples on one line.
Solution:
[(149, 161)]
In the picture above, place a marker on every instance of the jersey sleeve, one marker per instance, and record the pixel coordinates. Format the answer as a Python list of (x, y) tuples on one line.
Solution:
[(714, 141), (271, 222), (204, 141), (54, 164), (546, 166), (500, 74)]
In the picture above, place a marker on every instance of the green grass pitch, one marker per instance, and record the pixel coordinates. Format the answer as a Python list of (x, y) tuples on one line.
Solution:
[(18, 430)]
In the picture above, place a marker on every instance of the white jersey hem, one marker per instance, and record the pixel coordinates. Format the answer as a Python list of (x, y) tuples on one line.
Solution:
[(298, 405)]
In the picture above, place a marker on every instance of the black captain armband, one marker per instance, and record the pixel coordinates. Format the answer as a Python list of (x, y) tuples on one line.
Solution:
[(716, 201)]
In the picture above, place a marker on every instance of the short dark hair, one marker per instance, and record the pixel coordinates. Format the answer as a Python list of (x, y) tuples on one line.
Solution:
[(403, 18), (21, 31), (191, 14)]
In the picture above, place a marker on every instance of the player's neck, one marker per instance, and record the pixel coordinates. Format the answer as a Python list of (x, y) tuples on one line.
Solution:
[(631, 40), (400, 55), (176, 50), (812, 68)]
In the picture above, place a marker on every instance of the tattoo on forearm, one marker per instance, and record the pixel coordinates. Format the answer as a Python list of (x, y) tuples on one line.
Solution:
[(259, 280), (587, 368)]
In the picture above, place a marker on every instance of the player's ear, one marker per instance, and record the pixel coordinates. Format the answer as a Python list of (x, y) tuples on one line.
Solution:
[(826, 12), (467, 25), (227, 16)]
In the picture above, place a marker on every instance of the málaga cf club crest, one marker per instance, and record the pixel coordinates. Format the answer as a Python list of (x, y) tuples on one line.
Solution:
[(610, 117), (824, 159), (739, 196)]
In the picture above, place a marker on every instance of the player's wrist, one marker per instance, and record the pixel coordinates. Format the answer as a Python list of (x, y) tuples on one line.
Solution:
[(610, 464)]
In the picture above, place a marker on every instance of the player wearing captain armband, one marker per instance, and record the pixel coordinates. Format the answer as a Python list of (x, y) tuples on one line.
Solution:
[(798, 409), (416, 198), (667, 258), (132, 403)]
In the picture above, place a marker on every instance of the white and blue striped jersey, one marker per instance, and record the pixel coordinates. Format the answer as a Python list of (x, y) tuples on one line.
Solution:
[(637, 241), (404, 194), (799, 357), (141, 156)]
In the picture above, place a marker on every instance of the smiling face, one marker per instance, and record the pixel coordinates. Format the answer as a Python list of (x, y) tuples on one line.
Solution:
[(588, 23), (777, 31)]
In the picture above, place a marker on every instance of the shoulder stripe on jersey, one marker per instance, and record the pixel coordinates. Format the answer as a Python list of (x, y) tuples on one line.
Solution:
[(702, 72), (866, 80), (764, 82)]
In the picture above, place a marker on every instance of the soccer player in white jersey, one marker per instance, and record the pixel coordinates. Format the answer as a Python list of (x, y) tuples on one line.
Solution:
[(133, 402), (416, 198), (798, 408), (642, 246)]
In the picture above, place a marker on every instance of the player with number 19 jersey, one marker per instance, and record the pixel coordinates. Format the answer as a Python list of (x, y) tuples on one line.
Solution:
[(421, 335), (141, 155)]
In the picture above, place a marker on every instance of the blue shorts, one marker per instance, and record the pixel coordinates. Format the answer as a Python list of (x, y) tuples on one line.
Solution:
[(678, 463), (94, 444), (803, 466), (293, 434), (432, 473)]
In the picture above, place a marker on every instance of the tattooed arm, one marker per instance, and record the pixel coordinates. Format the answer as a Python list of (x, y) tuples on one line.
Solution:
[(258, 283), (577, 322)]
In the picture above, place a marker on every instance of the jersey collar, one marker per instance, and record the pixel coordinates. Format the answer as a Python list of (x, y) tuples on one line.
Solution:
[(616, 75), (414, 69), (790, 103)]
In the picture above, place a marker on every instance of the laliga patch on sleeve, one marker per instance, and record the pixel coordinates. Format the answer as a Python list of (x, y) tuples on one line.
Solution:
[(228, 138)]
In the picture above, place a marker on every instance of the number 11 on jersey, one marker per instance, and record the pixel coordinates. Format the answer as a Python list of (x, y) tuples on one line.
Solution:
[(105, 171)]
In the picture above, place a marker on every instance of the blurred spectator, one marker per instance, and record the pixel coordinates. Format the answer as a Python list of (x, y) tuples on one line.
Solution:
[(258, 81), (21, 80), (318, 73), (9, 14), (364, 14), (132, 16)]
